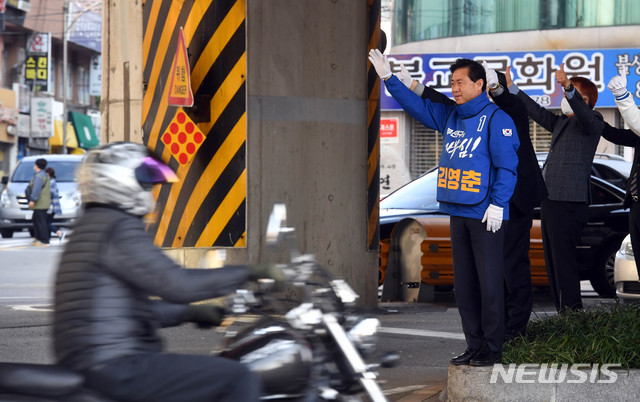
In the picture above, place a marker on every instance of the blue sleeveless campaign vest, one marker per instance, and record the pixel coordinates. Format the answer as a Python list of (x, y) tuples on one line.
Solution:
[(464, 175)]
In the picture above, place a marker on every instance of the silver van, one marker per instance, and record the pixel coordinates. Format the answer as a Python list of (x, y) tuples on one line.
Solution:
[(14, 210)]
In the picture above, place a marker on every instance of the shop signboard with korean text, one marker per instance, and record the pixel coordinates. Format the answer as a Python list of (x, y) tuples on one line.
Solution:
[(532, 72), (41, 117), (37, 70)]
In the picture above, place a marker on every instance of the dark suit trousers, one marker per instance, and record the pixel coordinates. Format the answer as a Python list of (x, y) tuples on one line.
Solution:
[(562, 222), (634, 230), (478, 281), (517, 272)]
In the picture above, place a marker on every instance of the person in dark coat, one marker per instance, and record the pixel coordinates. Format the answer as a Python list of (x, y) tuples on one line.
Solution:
[(106, 307), (566, 172), (529, 192)]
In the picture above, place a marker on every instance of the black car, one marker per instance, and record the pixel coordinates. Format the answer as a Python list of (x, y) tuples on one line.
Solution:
[(415, 241)]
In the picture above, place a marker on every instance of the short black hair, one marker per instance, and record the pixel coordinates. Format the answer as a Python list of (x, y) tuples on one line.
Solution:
[(51, 172), (41, 163), (476, 71)]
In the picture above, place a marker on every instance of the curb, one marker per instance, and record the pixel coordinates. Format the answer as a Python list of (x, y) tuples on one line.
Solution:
[(465, 383)]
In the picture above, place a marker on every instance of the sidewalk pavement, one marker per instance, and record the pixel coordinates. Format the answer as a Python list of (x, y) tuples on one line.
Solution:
[(431, 393)]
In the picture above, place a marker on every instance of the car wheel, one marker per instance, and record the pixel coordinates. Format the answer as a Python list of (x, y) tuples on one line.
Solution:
[(6, 233), (601, 277)]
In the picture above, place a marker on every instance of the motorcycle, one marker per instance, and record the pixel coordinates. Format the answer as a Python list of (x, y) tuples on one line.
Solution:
[(313, 351)]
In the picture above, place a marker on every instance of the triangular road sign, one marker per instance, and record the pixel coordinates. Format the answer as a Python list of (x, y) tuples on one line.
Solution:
[(180, 93)]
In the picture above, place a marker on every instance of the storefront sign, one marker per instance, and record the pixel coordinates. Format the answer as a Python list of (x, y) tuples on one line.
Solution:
[(41, 117), (37, 64), (95, 76), (389, 130), (532, 72)]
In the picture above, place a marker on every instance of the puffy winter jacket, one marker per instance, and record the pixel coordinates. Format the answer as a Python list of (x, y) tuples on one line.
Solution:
[(107, 274)]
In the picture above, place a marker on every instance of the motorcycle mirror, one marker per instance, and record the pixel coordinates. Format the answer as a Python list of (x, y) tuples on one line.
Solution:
[(277, 230), (390, 360), (277, 220)]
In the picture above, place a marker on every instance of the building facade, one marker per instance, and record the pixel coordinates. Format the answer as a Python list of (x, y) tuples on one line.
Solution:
[(33, 38), (594, 38)]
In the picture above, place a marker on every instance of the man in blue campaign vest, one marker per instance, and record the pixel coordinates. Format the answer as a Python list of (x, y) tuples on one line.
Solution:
[(477, 175)]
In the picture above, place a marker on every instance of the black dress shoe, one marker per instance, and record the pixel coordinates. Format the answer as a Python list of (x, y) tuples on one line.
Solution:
[(485, 357), (464, 358)]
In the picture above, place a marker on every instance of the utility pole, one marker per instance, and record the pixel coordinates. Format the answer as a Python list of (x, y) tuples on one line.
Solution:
[(65, 67), (122, 86)]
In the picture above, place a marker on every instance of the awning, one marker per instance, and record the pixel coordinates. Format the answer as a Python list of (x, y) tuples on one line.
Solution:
[(85, 131), (56, 140)]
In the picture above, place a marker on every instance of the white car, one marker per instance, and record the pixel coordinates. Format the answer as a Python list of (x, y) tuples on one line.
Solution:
[(625, 273), (15, 214)]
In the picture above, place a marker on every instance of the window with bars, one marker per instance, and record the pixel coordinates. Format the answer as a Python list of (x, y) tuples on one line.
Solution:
[(426, 145)]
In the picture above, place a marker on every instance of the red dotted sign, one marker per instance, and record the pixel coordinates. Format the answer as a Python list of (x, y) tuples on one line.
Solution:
[(182, 137)]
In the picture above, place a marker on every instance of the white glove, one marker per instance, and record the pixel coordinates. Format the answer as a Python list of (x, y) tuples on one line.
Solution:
[(492, 76), (618, 85), (493, 217), (380, 63), (404, 76)]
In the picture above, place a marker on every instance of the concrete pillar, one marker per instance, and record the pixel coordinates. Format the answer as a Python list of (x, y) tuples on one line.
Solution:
[(122, 86), (307, 125), (307, 130)]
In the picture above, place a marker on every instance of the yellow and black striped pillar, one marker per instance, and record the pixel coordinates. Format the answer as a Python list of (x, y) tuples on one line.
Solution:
[(207, 207), (373, 130)]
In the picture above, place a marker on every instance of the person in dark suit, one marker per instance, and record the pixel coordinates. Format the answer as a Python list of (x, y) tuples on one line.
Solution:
[(630, 138), (529, 192), (566, 172)]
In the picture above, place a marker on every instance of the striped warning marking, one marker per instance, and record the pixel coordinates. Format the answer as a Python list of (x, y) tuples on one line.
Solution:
[(373, 131), (207, 207)]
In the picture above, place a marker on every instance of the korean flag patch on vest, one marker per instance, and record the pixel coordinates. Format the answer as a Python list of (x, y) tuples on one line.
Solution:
[(507, 132)]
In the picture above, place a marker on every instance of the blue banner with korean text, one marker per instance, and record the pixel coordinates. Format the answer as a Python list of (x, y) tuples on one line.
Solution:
[(533, 72)]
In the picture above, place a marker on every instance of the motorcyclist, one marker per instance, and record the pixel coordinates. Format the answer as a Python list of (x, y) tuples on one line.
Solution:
[(107, 286)]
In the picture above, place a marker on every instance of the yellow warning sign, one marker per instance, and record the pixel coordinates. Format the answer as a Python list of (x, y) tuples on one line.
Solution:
[(180, 93)]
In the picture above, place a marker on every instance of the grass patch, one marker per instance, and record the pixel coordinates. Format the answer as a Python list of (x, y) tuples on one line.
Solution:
[(606, 334)]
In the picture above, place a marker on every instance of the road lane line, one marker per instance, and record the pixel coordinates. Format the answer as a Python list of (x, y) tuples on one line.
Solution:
[(401, 390), (33, 307), (422, 332)]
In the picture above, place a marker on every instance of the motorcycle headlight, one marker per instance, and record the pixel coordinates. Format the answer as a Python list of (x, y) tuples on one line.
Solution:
[(363, 335), (366, 328)]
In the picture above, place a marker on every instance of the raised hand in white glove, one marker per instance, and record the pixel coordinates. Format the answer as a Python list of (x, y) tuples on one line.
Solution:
[(618, 85), (404, 76), (492, 76), (493, 217), (380, 63)]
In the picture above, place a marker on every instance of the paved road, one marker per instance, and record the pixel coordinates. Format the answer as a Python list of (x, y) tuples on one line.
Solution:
[(426, 335)]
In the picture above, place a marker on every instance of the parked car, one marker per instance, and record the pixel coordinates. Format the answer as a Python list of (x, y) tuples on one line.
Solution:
[(14, 210), (625, 275), (415, 239)]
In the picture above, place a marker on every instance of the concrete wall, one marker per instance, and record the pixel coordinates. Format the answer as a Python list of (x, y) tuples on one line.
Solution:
[(307, 125), (307, 130)]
